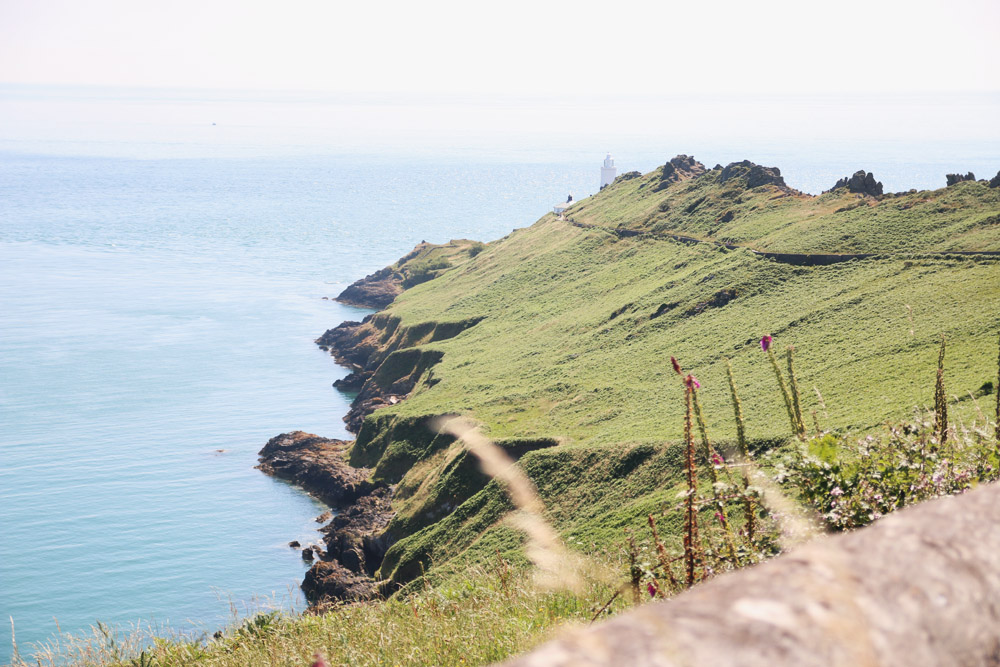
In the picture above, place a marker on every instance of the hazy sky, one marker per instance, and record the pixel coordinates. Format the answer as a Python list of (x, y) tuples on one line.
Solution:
[(508, 46)]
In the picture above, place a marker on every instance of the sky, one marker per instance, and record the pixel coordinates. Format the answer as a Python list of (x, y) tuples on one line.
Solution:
[(509, 47)]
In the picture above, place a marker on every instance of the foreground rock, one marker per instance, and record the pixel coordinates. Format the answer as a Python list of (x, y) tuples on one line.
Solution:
[(918, 588), (354, 539)]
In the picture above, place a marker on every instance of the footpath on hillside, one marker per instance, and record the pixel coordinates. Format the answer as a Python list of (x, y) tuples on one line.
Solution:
[(797, 259)]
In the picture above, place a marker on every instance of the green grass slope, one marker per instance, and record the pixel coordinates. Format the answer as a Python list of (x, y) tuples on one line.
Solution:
[(578, 326)]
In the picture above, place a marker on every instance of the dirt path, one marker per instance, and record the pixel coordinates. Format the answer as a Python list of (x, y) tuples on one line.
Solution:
[(797, 259)]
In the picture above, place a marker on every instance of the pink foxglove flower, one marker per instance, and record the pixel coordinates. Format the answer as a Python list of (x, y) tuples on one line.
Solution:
[(651, 587), (677, 366), (765, 343)]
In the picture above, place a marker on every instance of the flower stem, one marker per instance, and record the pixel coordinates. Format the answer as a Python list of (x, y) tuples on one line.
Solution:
[(710, 455), (691, 557), (796, 406), (784, 391)]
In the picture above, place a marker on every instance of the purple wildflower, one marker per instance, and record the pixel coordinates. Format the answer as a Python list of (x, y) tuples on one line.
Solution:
[(717, 459), (765, 343), (836, 492), (651, 587), (692, 382)]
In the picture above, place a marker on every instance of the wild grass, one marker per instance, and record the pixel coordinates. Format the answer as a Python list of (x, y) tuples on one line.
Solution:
[(496, 609), (492, 613)]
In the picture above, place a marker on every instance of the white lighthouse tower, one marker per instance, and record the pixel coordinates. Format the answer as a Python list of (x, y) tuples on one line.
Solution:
[(608, 171)]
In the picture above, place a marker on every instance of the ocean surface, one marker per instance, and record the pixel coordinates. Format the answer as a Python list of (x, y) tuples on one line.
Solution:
[(164, 258)]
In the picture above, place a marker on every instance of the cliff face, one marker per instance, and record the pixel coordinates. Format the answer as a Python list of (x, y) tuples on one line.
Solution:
[(387, 360)]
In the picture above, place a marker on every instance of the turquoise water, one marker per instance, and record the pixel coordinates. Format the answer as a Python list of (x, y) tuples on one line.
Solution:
[(161, 284), (156, 312)]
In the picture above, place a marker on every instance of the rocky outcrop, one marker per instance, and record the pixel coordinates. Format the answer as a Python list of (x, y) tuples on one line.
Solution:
[(387, 359), (861, 182), (354, 538), (318, 465), (918, 588), (390, 383), (356, 543), (754, 175), (328, 583), (995, 181), (376, 290), (953, 179), (680, 168)]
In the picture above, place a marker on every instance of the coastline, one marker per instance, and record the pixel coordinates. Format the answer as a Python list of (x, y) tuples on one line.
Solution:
[(354, 541)]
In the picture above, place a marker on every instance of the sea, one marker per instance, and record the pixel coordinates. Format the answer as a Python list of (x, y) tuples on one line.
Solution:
[(167, 258)]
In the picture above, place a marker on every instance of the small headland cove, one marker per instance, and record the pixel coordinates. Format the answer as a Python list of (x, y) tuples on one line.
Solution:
[(557, 342)]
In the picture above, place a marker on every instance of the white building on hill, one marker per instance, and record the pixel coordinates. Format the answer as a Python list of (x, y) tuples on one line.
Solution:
[(608, 171)]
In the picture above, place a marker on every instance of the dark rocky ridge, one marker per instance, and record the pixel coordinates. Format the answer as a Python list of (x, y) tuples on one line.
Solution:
[(861, 182), (318, 465), (952, 179), (754, 175), (680, 168), (387, 361)]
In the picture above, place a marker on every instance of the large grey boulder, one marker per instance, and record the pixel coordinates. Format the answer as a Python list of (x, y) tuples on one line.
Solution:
[(918, 588)]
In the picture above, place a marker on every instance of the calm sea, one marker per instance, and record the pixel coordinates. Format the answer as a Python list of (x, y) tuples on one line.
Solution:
[(163, 261)]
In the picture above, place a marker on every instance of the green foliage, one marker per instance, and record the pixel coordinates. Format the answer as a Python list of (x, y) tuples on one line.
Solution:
[(852, 483), (487, 615), (422, 271)]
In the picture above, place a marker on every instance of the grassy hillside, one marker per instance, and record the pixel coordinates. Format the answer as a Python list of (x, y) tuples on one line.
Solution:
[(558, 339), (578, 325)]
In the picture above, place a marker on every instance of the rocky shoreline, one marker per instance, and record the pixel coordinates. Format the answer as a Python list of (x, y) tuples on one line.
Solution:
[(355, 540), (352, 544)]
